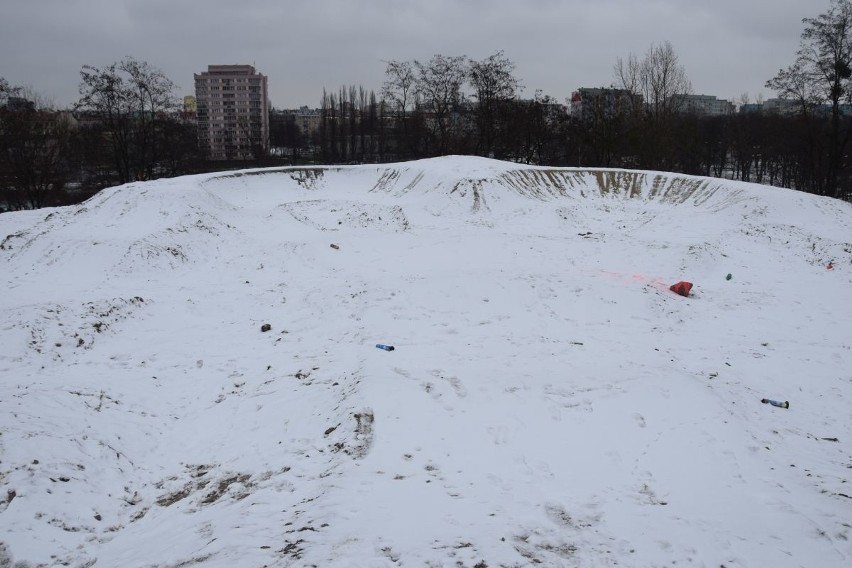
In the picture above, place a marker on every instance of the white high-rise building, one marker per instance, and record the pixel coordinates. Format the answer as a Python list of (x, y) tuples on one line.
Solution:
[(233, 112)]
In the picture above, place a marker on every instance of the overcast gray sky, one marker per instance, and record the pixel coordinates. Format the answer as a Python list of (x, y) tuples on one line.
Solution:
[(728, 47)]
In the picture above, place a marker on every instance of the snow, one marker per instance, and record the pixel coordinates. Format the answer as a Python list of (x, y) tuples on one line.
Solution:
[(549, 401)]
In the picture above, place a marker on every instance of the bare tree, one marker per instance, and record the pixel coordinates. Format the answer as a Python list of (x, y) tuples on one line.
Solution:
[(153, 97), (344, 122), (493, 84), (628, 75), (822, 72), (6, 91), (398, 89), (354, 123), (129, 98), (34, 152), (536, 130), (324, 132), (658, 78), (439, 83), (796, 83), (400, 94), (329, 134), (658, 82)]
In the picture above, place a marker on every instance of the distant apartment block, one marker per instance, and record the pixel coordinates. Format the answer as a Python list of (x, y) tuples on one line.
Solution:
[(190, 104), (789, 107), (705, 105), (747, 108), (785, 107), (598, 103), (189, 111), (17, 104), (781, 106), (602, 103), (307, 119), (233, 112)]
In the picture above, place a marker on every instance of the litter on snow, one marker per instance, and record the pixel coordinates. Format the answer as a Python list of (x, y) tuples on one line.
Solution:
[(784, 404), (385, 347), (681, 288)]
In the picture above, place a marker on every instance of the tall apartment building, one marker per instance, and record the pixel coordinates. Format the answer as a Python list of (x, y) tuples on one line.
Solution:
[(233, 112), (588, 104)]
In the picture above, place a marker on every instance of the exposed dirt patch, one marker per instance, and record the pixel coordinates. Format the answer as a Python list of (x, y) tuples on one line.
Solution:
[(206, 482), (223, 485), (326, 215), (363, 439)]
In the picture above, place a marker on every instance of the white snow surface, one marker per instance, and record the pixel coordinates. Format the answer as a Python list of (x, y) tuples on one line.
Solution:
[(549, 400)]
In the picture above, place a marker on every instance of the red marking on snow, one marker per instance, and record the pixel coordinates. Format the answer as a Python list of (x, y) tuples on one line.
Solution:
[(658, 282)]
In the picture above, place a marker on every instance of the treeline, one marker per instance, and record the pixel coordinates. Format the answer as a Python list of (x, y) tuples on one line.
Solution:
[(423, 112), (125, 127), (786, 150), (452, 105)]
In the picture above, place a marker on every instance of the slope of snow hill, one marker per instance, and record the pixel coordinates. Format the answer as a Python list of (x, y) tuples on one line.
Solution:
[(190, 374)]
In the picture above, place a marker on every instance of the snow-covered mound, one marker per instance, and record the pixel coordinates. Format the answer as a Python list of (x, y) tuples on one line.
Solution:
[(549, 401)]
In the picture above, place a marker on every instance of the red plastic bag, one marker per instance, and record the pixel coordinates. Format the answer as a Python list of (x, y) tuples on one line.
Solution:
[(681, 288)]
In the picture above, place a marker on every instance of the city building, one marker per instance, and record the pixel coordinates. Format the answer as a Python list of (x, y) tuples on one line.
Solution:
[(307, 119), (704, 105), (190, 104), (18, 104), (597, 103), (233, 112), (602, 103), (748, 108), (189, 111), (781, 106), (790, 107)]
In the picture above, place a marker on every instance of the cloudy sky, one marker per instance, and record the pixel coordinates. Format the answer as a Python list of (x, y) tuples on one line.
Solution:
[(728, 47)]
